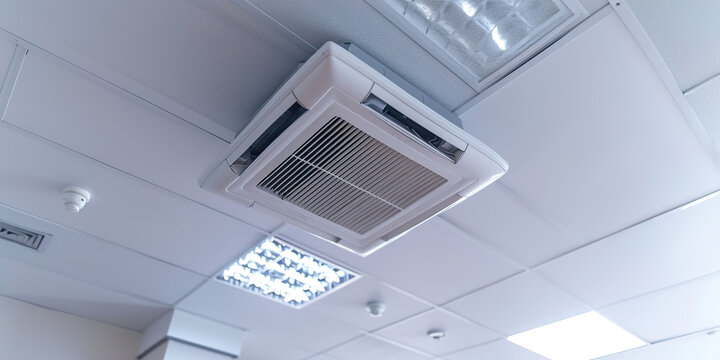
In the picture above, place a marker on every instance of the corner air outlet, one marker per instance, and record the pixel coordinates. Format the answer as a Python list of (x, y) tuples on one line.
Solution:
[(21, 236), (412, 128)]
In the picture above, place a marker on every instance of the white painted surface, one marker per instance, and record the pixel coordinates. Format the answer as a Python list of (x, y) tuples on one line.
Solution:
[(500, 349), (523, 302), (32, 332), (665, 251), (595, 141), (459, 333), (367, 347)]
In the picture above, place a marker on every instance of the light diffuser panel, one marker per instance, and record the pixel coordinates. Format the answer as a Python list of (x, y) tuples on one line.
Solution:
[(582, 337), (281, 272), (481, 36)]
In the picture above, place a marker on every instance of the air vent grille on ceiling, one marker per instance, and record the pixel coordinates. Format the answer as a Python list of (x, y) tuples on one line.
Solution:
[(21, 236), (349, 178)]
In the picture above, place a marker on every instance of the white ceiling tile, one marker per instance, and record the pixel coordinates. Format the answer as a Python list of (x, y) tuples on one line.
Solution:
[(667, 313), (594, 140), (496, 350), (7, 49), (258, 347), (437, 262), (705, 100), (669, 249), (349, 304), (496, 216), (99, 262), (695, 347), (322, 357), (685, 33), (267, 318), (523, 302), (48, 289), (593, 5), (359, 23), (459, 333), (109, 126), (368, 347), (203, 55), (123, 210)]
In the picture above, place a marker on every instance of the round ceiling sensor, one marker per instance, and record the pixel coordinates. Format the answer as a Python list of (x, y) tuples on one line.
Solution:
[(375, 308), (436, 334)]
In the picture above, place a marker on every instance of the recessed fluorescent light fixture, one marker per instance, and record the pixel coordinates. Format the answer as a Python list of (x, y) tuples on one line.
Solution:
[(482, 40), (582, 337), (279, 271)]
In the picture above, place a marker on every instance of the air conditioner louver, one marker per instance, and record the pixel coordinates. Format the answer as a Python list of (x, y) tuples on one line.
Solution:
[(346, 176), (346, 154)]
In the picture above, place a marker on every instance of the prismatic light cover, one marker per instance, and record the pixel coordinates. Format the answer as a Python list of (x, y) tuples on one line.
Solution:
[(279, 271), (481, 35)]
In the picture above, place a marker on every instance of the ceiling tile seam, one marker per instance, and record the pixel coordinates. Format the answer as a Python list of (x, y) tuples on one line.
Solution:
[(134, 177), (672, 210), (139, 296), (533, 209), (504, 337), (549, 51), (140, 94), (101, 239), (706, 331), (626, 15), (93, 284), (71, 314), (484, 245), (248, 6), (668, 287), (700, 84), (219, 270), (11, 76)]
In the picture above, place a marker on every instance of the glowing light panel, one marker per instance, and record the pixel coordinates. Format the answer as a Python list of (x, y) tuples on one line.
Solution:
[(582, 337), (284, 273)]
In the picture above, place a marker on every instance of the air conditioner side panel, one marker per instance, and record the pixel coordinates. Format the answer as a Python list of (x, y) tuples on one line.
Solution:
[(332, 72)]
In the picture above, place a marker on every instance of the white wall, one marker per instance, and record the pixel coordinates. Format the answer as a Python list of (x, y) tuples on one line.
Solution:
[(30, 332)]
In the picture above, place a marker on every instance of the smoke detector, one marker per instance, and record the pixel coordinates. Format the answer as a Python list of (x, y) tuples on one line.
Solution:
[(75, 198)]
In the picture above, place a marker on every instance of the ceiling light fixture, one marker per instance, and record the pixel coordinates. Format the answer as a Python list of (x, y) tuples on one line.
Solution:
[(482, 40), (582, 337), (282, 272)]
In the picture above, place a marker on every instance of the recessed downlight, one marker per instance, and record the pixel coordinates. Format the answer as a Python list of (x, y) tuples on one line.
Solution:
[(582, 337), (282, 272)]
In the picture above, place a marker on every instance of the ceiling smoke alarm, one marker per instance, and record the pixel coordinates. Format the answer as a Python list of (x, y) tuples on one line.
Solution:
[(376, 308), (75, 198)]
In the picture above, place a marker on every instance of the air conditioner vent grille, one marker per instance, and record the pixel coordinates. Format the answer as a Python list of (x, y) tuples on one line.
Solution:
[(348, 177), (20, 236)]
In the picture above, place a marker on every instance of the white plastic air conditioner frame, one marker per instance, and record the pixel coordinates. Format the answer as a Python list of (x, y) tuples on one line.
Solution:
[(332, 83)]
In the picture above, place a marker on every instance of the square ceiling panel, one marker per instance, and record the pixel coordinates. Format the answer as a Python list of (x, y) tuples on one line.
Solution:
[(349, 304), (672, 248), (705, 100), (458, 332), (671, 312), (7, 48), (685, 33), (523, 302), (48, 289), (368, 347), (496, 350), (615, 152), (497, 216), (696, 347), (437, 262), (267, 318)]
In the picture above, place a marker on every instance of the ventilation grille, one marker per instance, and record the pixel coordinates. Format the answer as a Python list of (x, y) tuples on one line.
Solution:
[(349, 178), (21, 236)]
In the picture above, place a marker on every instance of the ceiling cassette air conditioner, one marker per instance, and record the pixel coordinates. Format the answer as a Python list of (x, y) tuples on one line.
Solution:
[(346, 154)]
